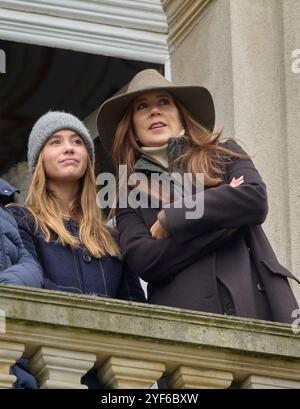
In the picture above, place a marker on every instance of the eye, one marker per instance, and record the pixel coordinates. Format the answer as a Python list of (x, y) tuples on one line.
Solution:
[(140, 106), (77, 141), (164, 101), (54, 141)]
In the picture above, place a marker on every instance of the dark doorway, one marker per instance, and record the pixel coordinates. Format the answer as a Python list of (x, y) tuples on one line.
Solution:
[(39, 79)]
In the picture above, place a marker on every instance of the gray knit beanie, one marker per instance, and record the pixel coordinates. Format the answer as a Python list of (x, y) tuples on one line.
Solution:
[(50, 123)]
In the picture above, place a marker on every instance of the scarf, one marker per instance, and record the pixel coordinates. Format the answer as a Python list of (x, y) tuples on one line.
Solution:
[(161, 158)]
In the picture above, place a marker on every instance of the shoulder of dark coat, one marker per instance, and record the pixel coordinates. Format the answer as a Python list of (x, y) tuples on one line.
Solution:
[(6, 189), (233, 146)]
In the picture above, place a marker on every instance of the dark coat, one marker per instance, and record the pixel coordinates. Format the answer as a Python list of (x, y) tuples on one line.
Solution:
[(75, 270), (225, 250), (17, 267), (16, 264)]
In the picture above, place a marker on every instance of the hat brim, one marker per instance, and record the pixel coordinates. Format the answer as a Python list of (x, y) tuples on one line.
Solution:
[(196, 99)]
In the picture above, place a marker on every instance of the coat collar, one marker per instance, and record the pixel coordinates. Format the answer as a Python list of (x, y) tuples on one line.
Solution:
[(6, 189)]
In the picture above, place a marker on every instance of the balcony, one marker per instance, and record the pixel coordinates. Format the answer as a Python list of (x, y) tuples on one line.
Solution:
[(132, 345)]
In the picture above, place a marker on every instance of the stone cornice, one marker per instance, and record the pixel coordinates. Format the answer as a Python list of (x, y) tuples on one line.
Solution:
[(145, 15), (180, 325), (145, 30), (132, 29), (182, 16)]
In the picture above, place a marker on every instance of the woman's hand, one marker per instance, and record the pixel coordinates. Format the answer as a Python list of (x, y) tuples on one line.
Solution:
[(237, 182), (158, 232)]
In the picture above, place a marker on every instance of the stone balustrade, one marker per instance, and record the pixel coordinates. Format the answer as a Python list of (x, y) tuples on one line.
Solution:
[(132, 344)]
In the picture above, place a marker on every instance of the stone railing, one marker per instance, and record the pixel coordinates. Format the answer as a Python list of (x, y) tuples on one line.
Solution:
[(132, 345)]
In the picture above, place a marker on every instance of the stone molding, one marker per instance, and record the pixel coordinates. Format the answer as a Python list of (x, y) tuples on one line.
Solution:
[(132, 29), (182, 17), (190, 345), (136, 14), (147, 30)]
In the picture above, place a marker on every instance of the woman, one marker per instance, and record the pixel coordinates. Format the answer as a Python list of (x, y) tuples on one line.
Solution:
[(17, 267), (60, 223), (221, 261)]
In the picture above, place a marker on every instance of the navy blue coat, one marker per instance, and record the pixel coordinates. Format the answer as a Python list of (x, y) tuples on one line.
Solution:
[(75, 270), (16, 264), (16, 267)]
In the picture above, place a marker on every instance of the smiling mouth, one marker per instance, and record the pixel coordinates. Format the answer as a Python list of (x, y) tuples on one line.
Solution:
[(69, 160), (157, 125)]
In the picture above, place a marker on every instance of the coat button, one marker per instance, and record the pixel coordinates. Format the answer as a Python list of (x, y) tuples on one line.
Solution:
[(87, 257), (260, 287)]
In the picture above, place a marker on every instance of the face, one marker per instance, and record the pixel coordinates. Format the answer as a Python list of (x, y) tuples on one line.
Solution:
[(155, 118), (65, 156)]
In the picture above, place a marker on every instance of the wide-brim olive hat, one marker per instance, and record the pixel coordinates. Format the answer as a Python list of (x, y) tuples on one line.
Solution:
[(196, 99)]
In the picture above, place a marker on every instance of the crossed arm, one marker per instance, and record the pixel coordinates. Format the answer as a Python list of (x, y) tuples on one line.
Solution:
[(227, 208)]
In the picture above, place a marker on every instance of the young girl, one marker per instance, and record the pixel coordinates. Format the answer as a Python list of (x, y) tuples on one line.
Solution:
[(60, 223), (220, 261)]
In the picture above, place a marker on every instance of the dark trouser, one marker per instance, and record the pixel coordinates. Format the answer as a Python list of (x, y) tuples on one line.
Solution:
[(25, 380)]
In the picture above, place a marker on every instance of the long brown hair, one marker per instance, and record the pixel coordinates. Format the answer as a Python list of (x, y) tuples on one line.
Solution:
[(44, 205), (203, 152)]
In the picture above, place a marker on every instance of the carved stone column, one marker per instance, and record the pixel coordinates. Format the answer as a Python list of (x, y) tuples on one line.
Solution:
[(266, 382), (57, 368), (199, 378), (10, 352), (127, 373)]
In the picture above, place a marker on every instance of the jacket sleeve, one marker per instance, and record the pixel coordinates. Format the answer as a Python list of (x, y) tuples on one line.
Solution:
[(26, 226), (26, 271), (224, 206), (156, 260), (130, 288)]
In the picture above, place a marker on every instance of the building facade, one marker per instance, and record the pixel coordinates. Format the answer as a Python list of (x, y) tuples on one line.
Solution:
[(244, 51)]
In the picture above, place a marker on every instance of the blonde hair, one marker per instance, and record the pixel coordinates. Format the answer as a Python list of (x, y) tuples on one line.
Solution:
[(45, 207)]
